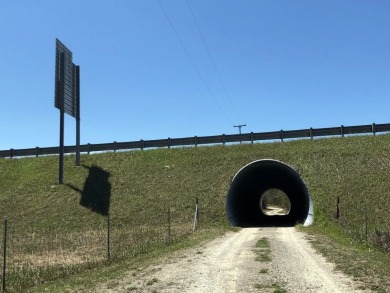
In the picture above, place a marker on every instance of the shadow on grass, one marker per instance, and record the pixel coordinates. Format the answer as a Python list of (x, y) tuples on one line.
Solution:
[(97, 190)]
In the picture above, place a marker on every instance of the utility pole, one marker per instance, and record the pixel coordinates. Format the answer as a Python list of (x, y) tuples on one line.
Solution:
[(239, 129)]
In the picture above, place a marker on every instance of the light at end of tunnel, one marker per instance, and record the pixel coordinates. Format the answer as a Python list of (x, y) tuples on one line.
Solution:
[(274, 202)]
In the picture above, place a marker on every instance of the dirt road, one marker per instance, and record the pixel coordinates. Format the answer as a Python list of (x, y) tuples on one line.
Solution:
[(233, 263)]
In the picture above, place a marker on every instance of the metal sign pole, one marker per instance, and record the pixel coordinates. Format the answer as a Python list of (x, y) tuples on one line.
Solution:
[(61, 160), (78, 142), (77, 97), (62, 119)]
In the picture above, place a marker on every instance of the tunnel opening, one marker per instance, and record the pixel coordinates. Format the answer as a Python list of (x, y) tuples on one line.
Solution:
[(253, 188), (274, 202)]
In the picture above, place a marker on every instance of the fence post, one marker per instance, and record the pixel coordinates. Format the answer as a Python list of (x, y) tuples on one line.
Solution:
[(311, 132), (169, 224), (196, 141), (252, 137), (342, 130), (373, 128), (366, 222), (115, 146), (12, 153), (36, 152), (281, 135), (89, 148), (169, 142), (196, 215), (4, 253), (108, 237), (197, 210), (223, 139), (142, 144)]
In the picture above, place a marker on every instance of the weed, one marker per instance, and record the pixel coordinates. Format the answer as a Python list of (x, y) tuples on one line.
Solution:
[(263, 257), (276, 288), (263, 250), (263, 243)]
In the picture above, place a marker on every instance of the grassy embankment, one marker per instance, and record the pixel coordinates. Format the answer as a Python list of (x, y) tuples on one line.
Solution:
[(57, 233)]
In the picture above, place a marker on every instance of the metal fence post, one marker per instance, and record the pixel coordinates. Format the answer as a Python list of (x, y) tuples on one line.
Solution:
[(4, 254), (108, 237), (373, 128), (169, 224), (366, 222)]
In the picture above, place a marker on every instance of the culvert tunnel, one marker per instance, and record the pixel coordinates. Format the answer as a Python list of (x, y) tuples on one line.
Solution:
[(250, 184)]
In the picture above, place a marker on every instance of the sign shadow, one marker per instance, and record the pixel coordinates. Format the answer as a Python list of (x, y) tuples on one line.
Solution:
[(96, 192)]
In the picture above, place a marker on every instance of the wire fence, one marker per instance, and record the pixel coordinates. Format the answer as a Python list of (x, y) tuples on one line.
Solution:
[(252, 137), (365, 223), (31, 256)]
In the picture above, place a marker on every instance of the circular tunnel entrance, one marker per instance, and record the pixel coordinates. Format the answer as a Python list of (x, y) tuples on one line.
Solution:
[(245, 200)]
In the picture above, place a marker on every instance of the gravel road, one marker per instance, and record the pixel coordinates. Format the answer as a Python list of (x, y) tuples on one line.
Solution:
[(230, 264)]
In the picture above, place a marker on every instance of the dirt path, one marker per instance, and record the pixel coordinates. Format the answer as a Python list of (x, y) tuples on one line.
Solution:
[(232, 264)]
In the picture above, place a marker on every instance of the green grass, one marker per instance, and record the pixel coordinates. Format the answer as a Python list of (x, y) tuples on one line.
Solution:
[(262, 243), (263, 256), (275, 287), (262, 250), (365, 263), (54, 232)]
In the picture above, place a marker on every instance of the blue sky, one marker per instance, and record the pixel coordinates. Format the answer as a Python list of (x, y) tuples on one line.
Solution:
[(279, 64)]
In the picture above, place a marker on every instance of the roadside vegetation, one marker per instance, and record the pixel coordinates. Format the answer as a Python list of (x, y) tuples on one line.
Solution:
[(57, 234)]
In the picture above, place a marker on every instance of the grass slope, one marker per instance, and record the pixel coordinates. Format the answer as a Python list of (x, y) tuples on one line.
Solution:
[(65, 224)]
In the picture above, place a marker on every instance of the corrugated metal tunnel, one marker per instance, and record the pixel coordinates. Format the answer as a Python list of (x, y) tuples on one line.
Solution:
[(245, 196)]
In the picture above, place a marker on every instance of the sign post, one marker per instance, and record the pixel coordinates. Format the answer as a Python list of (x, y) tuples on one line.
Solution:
[(62, 118), (77, 97), (67, 98)]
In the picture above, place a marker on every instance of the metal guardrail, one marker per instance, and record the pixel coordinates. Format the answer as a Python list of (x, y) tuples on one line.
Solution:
[(203, 140)]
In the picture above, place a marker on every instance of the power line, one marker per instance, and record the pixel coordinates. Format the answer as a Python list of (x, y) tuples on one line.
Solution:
[(192, 61), (212, 60)]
